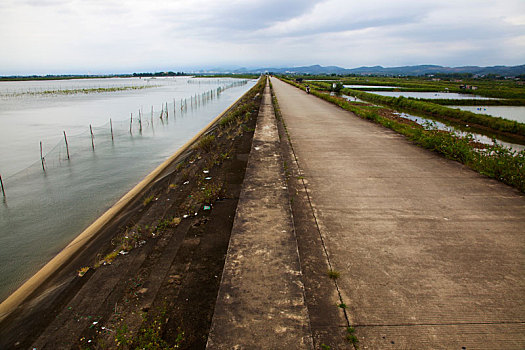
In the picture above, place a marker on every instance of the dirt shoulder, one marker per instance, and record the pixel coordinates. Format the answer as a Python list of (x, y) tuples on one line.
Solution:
[(152, 275)]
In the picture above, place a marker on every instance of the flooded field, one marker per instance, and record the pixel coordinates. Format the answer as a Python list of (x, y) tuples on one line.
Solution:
[(508, 112), (369, 87), (431, 123), (43, 211), (430, 95)]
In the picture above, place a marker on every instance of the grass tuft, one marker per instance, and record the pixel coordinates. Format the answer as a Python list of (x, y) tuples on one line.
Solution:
[(148, 200), (206, 143), (351, 337), (333, 274)]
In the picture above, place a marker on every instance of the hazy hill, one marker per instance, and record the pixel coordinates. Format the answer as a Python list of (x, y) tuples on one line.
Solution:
[(405, 70)]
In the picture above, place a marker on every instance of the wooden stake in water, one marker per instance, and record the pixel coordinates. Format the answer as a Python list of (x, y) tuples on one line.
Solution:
[(111, 127), (140, 123), (67, 146), (2, 185), (167, 115), (42, 157), (130, 123), (92, 137)]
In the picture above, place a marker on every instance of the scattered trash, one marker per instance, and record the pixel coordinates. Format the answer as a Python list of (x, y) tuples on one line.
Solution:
[(257, 148), (123, 252), (83, 271), (207, 178), (195, 214), (207, 207), (95, 322), (205, 171), (184, 216), (186, 182)]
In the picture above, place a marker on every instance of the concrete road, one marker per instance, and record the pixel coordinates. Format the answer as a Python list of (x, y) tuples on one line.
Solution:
[(431, 254)]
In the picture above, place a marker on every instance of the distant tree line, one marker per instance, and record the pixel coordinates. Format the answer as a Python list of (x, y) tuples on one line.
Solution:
[(159, 74)]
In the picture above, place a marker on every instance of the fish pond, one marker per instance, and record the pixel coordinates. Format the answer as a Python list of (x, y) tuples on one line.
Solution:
[(430, 95), (516, 113), (44, 210)]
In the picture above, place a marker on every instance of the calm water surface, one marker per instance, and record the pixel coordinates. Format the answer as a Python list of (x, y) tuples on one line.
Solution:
[(430, 95), (370, 86), (43, 212), (508, 112), (431, 123)]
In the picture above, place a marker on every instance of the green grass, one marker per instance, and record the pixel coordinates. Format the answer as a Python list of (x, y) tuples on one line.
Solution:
[(149, 336), (206, 143), (333, 274), (433, 109), (167, 223), (351, 337), (148, 200), (209, 193)]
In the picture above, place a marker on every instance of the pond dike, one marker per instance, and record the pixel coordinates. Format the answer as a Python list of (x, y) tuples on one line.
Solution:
[(261, 300), (145, 251)]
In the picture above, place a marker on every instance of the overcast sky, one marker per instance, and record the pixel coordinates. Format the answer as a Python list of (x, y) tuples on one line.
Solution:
[(106, 36)]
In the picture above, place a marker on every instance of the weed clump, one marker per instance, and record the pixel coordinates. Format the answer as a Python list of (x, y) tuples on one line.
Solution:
[(333, 274), (351, 337), (206, 143), (148, 200)]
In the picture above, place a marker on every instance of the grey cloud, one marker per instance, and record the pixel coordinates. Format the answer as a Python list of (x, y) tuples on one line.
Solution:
[(237, 20)]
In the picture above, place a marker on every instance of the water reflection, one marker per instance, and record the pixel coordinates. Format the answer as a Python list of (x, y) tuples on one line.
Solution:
[(508, 112), (46, 210), (431, 95)]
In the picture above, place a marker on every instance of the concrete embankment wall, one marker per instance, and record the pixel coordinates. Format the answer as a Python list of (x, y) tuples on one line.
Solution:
[(27, 290)]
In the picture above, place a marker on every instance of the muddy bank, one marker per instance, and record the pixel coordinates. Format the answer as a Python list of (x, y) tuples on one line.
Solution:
[(152, 274)]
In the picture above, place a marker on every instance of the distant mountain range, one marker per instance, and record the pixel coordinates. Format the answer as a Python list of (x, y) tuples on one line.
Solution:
[(379, 70)]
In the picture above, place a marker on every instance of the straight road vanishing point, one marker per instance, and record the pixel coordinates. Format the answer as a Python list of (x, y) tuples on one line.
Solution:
[(430, 253)]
